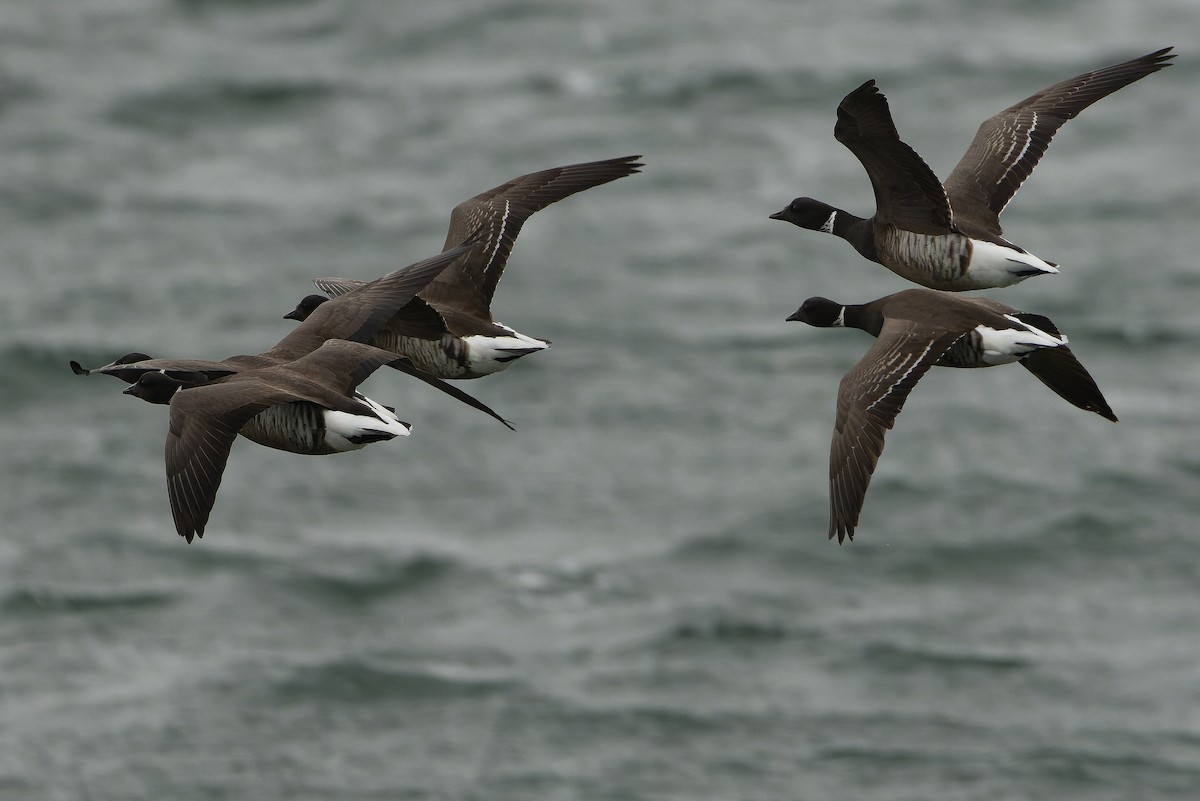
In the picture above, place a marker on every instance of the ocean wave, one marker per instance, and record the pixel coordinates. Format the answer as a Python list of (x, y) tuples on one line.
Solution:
[(728, 628), (33, 369), (363, 679), (367, 578), (47, 202), (1128, 760), (179, 109), (893, 657), (740, 86), (74, 599)]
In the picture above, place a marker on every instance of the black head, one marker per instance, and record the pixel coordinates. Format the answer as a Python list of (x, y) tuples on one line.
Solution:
[(305, 307), (154, 387), (820, 312), (807, 213)]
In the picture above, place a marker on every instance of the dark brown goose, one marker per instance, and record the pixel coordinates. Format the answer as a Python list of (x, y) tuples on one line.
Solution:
[(949, 237), (313, 398), (915, 330), (356, 316), (448, 330)]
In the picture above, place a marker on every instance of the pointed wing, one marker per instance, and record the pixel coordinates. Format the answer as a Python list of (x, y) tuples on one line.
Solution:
[(405, 366), (500, 212), (360, 313), (1058, 369), (205, 420), (907, 193), (203, 424), (869, 398), (1009, 144)]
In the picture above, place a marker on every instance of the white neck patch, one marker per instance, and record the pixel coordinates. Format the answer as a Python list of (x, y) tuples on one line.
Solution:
[(840, 322), (827, 226)]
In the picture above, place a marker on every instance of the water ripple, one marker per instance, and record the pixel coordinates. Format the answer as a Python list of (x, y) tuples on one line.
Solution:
[(180, 109), (359, 679)]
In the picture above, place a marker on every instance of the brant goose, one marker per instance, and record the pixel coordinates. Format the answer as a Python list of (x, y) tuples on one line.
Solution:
[(949, 237), (448, 330), (915, 330), (355, 316), (318, 413)]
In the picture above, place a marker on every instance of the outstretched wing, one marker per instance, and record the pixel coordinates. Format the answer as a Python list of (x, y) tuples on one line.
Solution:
[(907, 193), (189, 371), (1010, 144), (332, 372), (203, 424), (499, 213), (405, 366), (416, 319), (869, 398), (1059, 370), (359, 314)]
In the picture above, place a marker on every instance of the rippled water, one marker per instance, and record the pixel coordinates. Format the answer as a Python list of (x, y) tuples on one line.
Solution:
[(632, 595)]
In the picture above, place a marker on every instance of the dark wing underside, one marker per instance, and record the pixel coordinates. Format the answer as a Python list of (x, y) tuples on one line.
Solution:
[(907, 193), (500, 212), (1009, 145), (869, 398)]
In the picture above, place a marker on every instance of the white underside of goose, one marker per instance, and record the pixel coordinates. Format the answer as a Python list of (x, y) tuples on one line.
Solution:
[(487, 354), (349, 432), (996, 265), (1007, 345)]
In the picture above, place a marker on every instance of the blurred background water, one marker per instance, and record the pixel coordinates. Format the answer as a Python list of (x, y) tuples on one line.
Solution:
[(631, 596)]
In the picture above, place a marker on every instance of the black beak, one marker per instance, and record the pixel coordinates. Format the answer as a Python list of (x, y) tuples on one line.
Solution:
[(129, 390), (294, 314), (777, 215), (794, 317)]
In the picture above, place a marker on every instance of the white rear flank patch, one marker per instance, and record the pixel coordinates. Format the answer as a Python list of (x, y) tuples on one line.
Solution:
[(486, 355), (1007, 345), (1003, 266), (349, 432), (1056, 341)]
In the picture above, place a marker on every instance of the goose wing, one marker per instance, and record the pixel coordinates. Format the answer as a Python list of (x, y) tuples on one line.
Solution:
[(360, 313), (499, 213), (870, 397), (907, 193), (1008, 145)]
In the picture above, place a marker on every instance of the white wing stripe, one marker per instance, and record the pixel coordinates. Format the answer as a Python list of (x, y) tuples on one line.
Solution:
[(1013, 162), (912, 360), (499, 235)]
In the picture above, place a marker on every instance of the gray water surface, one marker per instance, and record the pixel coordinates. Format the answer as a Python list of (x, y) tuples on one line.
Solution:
[(632, 595)]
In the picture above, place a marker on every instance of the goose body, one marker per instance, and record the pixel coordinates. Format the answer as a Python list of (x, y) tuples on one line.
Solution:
[(306, 406), (357, 315), (448, 331), (915, 330), (949, 236)]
